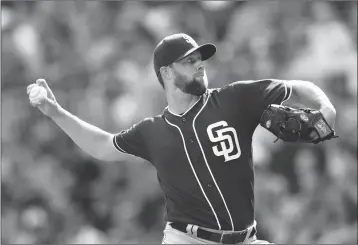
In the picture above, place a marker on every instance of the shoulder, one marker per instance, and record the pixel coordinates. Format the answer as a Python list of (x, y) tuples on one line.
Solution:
[(235, 88), (150, 123), (252, 85), (239, 84)]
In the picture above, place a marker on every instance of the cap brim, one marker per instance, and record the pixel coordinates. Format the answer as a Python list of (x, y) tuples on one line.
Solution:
[(207, 50)]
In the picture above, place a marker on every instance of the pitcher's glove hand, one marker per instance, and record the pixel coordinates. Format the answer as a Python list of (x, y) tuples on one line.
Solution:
[(296, 125)]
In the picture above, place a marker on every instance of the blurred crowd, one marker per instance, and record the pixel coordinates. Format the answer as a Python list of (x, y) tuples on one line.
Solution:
[(97, 58)]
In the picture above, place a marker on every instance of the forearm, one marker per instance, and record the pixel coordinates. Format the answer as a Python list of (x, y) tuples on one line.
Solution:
[(89, 138), (310, 95)]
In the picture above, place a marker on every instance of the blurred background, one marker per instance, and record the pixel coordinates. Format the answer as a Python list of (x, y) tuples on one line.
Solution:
[(97, 58)]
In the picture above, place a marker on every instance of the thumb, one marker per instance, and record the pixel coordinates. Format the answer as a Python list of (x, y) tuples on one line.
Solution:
[(43, 83), (314, 135)]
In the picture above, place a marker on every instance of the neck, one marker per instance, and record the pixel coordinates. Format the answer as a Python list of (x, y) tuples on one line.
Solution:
[(179, 102)]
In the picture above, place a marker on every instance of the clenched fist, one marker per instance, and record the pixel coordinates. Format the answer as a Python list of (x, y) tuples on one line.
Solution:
[(41, 96)]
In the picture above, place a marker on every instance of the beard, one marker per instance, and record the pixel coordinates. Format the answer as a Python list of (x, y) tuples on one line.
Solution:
[(194, 86)]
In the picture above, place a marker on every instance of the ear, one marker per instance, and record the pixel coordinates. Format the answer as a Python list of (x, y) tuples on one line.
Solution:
[(165, 72)]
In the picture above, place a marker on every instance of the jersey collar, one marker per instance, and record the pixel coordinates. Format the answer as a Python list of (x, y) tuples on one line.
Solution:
[(188, 114)]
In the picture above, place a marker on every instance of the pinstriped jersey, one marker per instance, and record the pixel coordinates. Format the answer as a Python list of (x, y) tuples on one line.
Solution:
[(203, 157)]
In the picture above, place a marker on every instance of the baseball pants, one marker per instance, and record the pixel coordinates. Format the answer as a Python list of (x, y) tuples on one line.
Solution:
[(173, 236)]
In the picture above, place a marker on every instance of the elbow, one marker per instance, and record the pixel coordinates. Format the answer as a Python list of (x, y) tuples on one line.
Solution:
[(106, 151), (330, 110), (333, 115), (333, 112), (329, 114)]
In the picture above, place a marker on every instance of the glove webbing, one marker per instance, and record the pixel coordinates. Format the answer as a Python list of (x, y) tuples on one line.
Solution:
[(282, 125)]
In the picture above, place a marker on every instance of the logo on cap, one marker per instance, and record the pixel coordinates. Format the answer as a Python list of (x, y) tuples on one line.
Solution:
[(189, 40)]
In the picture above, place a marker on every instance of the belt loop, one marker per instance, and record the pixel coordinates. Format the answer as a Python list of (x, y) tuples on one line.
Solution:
[(189, 229), (249, 230), (195, 230), (221, 238)]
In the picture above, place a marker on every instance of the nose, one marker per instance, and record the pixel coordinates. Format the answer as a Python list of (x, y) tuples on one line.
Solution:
[(200, 70), (201, 67)]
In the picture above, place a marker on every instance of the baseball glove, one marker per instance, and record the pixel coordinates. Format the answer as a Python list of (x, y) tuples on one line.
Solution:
[(296, 125)]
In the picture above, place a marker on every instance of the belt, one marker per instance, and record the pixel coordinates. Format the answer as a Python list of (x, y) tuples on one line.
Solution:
[(229, 238)]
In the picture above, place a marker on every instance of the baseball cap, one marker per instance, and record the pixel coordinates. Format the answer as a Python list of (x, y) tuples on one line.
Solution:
[(178, 46)]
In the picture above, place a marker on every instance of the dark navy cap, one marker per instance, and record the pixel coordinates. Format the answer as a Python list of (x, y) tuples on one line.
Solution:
[(177, 46)]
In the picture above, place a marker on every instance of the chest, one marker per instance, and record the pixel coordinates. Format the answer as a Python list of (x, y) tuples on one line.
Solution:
[(214, 136)]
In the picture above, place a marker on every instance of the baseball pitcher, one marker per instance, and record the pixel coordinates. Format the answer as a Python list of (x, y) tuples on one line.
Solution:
[(201, 145)]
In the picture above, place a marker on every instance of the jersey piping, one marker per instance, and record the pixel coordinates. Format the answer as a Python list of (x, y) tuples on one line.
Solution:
[(289, 95), (207, 165), (117, 146), (181, 115), (196, 177)]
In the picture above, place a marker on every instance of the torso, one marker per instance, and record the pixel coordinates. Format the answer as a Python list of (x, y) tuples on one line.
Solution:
[(204, 157), (205, 166)]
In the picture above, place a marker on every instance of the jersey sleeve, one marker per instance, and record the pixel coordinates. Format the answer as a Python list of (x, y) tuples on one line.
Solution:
[(256, 95), (273, 91), (132, 140)]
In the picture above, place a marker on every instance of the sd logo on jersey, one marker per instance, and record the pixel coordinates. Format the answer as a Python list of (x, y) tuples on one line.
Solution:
[(226, 137)]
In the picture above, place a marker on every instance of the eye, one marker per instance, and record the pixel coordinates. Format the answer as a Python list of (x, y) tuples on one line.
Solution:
[(191, 60)]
